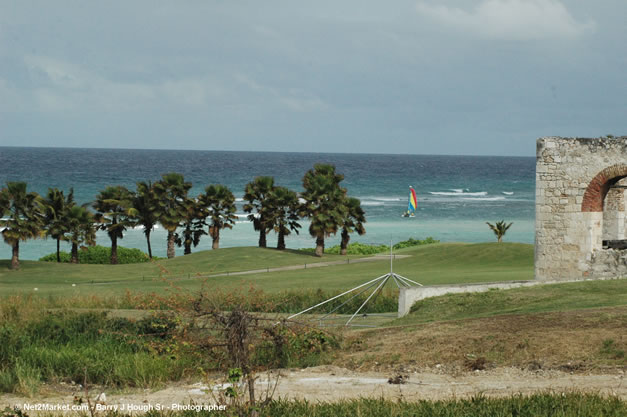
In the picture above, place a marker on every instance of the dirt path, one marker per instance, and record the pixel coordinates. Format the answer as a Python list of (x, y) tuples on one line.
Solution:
[(329, 383)]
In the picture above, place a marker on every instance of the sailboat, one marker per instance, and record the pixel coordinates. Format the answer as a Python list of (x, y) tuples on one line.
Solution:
[(412, 204)]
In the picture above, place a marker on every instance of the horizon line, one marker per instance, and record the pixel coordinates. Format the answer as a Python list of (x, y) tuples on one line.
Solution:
[(253, 151)]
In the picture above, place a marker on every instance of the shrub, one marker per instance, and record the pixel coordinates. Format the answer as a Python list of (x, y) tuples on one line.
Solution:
[(415, 242), (101, 255), (365, 249)]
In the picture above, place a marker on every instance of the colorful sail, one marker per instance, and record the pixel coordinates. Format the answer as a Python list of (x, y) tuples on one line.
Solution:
[(413, 202)]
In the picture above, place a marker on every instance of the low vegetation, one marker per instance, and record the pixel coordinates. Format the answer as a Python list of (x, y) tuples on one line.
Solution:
[(100, 255), (42, 346), (539, 405)]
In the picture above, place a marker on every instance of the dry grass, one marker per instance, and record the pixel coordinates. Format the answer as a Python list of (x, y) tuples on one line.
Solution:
[(570, 341)]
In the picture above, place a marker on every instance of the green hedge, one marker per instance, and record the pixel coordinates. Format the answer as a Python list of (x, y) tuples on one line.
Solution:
[(365, 249), (101, 255), (415, 242)]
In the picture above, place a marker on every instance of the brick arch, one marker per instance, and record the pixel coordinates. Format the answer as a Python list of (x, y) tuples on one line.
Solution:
[(599, 186)]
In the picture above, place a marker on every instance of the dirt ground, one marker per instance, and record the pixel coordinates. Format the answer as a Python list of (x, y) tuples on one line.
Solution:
[(330, 383), (494, 356)]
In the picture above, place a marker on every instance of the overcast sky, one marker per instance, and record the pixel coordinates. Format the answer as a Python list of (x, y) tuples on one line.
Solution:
[(483, 77)]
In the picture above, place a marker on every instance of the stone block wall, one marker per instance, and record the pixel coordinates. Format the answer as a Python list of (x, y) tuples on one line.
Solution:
[(573, 179)]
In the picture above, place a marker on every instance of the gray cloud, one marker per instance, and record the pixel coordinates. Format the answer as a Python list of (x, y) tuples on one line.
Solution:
[(510, 19), (354, 76)]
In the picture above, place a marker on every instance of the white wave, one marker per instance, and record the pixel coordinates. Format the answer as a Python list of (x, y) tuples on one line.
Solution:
[(457, 190), (508, 192), (484, 199), (372, 203), (465, 194), (239, 199)]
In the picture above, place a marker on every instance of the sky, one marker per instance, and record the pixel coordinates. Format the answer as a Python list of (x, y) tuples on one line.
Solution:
[(485, 77)]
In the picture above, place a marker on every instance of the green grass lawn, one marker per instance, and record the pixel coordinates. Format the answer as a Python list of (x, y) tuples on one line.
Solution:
[(429, 264), (542, 298)]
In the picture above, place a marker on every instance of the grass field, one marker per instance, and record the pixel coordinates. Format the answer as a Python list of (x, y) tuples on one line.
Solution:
[(429, 264), (572, 326)]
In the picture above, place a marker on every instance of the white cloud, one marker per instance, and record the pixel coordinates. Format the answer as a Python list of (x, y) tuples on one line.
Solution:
[(510, 19), (59, 85)]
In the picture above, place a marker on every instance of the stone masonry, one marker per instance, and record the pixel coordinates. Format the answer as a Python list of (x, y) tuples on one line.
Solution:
[(580, 202)]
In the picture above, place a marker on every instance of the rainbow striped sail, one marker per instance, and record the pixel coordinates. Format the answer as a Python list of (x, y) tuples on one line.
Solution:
[(413, 203)]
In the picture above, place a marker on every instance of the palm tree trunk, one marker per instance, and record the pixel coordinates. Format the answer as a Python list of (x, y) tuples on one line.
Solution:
[(58, 249), (148, 242), (319, 246), (344, 244), (171, 252), (214, 232), (188, 247), (500, 239), (114, 251), (281, 242), (74, 258), (15, 258), (262, 238)]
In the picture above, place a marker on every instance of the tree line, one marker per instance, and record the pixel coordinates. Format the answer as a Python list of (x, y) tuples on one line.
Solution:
[(324, 202)]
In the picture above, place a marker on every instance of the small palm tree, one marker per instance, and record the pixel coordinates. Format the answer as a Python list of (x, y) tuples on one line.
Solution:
[(323, 202), (171, 192), (115, 212), (354, 219), (499, 229), (284, 213), (218, 204), (80, 229), (193, 226), (56, 209), (25, 217), (146, 205), (257, 194)]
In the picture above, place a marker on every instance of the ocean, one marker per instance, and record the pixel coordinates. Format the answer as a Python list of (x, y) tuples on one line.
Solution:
[(457, 195)]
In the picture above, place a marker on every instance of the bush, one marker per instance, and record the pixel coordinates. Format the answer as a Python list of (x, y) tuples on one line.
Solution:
[(60, 346), (101, 255), (358, 249), (365, 249), (415, 242)]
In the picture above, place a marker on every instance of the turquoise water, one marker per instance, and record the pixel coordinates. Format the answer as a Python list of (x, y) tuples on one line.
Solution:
[(456, 194)]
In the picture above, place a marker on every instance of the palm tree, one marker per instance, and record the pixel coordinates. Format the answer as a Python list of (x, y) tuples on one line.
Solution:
[(323, 202), (193, 226), (499, 229), (80, 229), (171, 192), (285, 209), (257, 193), (25, 217), (146, 205), (218, 204), (56, 208), (114, 207), (354, 219)]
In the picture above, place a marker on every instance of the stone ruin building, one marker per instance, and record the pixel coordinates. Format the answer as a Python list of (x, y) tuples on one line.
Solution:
[(581, 187)]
